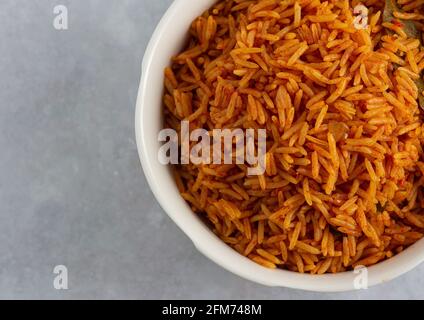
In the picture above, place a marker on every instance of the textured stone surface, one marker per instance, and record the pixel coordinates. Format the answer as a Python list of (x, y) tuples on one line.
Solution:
[(71, 188)]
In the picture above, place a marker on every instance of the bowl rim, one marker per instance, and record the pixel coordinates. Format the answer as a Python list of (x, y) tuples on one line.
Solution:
[(202, 237)]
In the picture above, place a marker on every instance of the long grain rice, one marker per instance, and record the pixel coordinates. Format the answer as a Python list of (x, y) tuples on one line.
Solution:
[(343, 184)]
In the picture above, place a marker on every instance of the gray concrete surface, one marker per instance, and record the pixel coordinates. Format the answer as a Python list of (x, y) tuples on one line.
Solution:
[(71, 188)]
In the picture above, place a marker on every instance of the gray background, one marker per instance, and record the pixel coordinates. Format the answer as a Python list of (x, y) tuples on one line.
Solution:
[(71, 187)]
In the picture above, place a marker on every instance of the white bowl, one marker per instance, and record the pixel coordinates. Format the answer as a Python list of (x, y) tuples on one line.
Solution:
[(168, 40)]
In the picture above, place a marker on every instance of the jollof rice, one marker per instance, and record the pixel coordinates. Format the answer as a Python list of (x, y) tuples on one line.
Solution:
[(344, 173)]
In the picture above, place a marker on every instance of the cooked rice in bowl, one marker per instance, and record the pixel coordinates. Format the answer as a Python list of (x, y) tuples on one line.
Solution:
[(343, 184)]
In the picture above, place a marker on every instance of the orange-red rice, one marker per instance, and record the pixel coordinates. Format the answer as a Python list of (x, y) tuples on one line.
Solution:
[(344, 179)]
